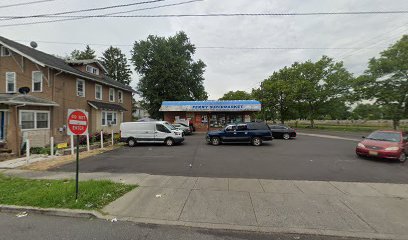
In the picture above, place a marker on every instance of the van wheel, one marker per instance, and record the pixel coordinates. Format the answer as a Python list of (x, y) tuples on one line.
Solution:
[(131, 142), (403, 157), (169, 142), (256, 141), (215, 141)]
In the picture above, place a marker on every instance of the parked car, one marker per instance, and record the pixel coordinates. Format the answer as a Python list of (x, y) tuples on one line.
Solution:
[(282, 131), (181, 126), (384, 144), (254, 133), (150, 132)]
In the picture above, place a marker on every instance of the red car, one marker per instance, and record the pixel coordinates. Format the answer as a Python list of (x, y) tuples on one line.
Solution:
[(384, 144)]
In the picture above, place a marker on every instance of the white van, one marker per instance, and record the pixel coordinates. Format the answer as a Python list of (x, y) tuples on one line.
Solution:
[(150, 132)]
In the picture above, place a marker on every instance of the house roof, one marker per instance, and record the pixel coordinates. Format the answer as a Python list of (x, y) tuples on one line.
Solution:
[(17, 99), (85, 62), (106, 106), (211, 106), (45, 59)]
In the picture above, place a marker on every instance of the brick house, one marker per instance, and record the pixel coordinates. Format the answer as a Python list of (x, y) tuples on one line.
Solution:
[(55, 85)]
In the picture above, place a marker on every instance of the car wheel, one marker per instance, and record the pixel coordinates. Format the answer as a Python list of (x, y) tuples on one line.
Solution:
[(402, 157), (131, 142), (215, 141), (256, 141), (286, 136), (169, 142)]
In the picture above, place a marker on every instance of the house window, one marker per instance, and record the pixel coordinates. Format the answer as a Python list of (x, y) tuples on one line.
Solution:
[(30, 120), (120, 96), (37, 78), (111, 94), (80, 86), (5, 52), (98, 92), (92, 70), (109, 118), (10, 82)]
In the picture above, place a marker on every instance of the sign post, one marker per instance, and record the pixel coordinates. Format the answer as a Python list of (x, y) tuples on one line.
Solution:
[(77, 125)]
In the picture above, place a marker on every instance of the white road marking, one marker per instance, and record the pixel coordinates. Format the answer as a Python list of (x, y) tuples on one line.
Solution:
[(329, 136)]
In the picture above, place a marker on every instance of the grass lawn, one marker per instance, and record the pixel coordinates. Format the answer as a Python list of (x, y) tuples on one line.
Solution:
[(93, 195), (345, 128)]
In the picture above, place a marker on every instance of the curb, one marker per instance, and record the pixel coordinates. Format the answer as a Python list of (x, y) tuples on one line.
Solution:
[(74, 213)]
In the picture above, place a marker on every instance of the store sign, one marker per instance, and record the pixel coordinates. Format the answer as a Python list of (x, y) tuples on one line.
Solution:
[(213, 107)]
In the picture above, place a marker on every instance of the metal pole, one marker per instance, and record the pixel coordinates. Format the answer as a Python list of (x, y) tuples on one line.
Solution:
[(77, 169), (52, 146), (72, 145), (28, 150), (101, 139), (112, 138), (87, 142)]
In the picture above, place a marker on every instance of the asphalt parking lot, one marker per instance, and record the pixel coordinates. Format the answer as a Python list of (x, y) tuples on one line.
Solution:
[(304, 158)]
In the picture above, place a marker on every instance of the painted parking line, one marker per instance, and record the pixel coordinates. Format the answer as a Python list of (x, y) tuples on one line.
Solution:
[(329, 136)]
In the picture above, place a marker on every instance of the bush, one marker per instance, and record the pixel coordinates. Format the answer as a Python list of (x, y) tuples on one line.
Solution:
[(96, 138), (41, 150)]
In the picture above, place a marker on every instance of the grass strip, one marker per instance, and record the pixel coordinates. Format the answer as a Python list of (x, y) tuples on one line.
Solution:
[(345, 128), (93, 195)]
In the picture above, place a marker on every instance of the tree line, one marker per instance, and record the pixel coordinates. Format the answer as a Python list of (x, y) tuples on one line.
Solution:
[(165, 65), (325, 89)]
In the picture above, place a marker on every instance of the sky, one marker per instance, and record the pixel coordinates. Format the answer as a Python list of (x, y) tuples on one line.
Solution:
[(233, 69)]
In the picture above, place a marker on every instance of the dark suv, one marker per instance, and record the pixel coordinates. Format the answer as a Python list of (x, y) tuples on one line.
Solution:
[(254, 132)]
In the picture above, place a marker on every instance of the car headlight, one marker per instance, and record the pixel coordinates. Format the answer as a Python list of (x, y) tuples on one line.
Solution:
[(392, 149), (361, 145), (177, 133)]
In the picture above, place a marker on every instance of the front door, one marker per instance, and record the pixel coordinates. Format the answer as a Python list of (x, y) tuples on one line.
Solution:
[(161, 133)]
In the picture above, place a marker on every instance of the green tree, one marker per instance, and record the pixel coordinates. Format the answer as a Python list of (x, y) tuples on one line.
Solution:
[(88, 53), (116, 65), (236, 95), (386, 81), (168, 71), (367, 112), (279, 95), (320, 83)]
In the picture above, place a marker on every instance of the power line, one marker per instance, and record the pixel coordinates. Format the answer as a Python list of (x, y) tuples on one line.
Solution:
[(107, 14), (25, 3), (216, 14), (204, 47), (78, 11), (58, 15)]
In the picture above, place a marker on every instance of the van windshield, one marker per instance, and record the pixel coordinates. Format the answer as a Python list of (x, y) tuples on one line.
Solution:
[(169, 126)]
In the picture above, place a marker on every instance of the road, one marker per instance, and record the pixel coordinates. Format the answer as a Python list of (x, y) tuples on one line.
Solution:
[(41, 227), (305, 158)]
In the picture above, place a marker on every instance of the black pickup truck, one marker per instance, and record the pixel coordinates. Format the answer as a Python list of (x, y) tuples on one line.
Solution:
[(253, 132)]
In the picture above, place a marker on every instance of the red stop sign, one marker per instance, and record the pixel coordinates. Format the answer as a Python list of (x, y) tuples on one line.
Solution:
[(77, 122)]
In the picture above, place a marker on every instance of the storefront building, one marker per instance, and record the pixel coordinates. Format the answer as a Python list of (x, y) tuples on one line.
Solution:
[(209, 115)]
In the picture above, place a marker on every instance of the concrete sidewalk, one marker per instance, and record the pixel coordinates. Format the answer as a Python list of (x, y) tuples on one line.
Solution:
[(366, 210)]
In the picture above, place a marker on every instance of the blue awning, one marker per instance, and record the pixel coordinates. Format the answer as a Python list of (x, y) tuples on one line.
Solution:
[(211, 106)]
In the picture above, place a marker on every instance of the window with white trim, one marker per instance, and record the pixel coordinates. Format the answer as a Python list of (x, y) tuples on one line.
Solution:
[(111, 94), (10, 82), (120, 96), (37, 78), (80, 87), (30, 120), (109, 118), (5, 52), (98, 92), (92, 70)]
